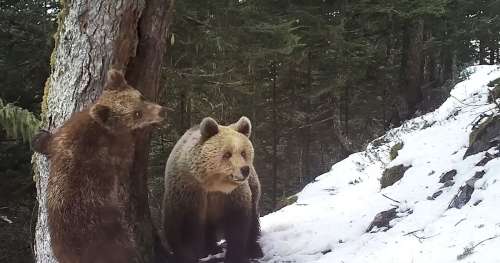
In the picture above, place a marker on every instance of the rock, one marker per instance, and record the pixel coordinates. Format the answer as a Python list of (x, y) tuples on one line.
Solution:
[(382, 219), (494, 93), (448, 176), (393, 153), (479, 174), (465, 191), (447, 184), (436, 194), (326, 251), (488, 157), (462, 197), (485, 136), (392, 175)]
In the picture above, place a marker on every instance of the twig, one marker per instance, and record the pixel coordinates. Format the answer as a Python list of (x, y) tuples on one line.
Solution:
[(490, 238), (391, 199), (466, 104), (469, 250), (413, 232), (461, 220), (420, 239)]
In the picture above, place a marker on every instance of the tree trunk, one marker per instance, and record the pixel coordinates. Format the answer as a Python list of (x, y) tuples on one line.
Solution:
[(412, 64), (306, 131), (275, 136), (92, 36), (482, 51), (492, 53)]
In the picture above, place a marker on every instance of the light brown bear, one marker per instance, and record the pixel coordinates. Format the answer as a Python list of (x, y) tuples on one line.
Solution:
[(90, 158), (212, 191)]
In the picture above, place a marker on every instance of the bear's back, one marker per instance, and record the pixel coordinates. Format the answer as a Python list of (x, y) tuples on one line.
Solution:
[(183, 149), (84, 193)]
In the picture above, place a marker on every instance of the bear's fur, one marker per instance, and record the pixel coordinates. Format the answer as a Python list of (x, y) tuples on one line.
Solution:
[(90, 159), (212, 189)]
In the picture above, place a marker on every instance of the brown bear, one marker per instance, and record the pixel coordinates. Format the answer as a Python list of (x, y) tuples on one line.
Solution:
[(90, 160), (212, 191)]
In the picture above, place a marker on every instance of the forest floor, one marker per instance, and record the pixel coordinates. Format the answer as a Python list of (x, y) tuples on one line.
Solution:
[(443, 209), (17, 221)]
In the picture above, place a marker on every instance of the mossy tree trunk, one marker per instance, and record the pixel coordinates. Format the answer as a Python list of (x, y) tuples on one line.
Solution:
[(92, 36)]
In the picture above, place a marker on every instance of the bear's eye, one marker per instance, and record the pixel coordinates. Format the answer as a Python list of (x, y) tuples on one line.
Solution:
[(138, 114), (244, 155), (227, 155)]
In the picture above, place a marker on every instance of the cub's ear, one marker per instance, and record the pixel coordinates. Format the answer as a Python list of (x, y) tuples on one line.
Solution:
[(208, 128), (41, 141), (243, 125), (100, 113), (115, 80)]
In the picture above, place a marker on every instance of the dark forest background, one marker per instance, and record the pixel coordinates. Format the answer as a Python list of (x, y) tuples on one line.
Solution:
[(318, 79)]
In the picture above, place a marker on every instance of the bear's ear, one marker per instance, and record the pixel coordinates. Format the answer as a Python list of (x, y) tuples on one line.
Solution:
[(115, 80), (208, 128), (41, 141), (100, 113), (243, 126)]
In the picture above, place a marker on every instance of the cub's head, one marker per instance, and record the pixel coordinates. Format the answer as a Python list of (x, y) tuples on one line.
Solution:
[(226, 154), (121, 107)]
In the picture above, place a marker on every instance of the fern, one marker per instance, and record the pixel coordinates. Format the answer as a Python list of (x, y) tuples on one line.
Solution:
[(17, 122)]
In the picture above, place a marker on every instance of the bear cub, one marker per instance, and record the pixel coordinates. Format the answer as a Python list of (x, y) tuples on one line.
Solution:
[(212, 191), (90, 160)]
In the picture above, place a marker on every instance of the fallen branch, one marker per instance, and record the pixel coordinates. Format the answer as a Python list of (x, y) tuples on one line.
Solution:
[(461, 220), (413, 232), (391, 199), (469, 250)]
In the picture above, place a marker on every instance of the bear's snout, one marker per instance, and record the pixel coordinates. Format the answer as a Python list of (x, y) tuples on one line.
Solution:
[(245, 171)]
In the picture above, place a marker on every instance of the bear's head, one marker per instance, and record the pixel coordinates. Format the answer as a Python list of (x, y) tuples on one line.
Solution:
[(225, 155), (123, 108)]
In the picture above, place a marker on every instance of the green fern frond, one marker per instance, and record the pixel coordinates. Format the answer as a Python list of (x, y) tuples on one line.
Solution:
[(17, 122)]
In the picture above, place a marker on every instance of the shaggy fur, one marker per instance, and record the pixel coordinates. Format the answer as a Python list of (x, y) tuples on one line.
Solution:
[(212, 191), (90, 160)]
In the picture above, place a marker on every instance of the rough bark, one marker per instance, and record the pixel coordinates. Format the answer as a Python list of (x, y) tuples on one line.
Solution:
[(275, 137), (92, 36), (482, 51), (412, 64)]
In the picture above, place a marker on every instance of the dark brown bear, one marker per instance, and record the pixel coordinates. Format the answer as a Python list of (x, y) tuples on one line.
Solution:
[(212, 191), (90, 157)]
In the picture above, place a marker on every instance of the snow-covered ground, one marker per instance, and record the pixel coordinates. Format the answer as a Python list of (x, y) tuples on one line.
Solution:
[(328, 222)]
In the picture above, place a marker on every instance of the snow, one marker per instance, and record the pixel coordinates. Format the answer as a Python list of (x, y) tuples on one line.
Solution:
[(328, 222)]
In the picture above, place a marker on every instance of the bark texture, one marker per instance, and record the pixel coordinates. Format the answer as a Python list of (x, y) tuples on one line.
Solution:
[(92, 36)]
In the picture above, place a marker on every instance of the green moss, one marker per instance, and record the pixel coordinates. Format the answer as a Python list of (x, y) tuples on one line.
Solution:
[(60, 28), (477, 133), (494, 93), (494, 83), (286, 201), (392, 175), (393, 153)]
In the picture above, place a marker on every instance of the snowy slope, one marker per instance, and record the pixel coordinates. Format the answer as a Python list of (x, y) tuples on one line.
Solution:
[(328, 223)]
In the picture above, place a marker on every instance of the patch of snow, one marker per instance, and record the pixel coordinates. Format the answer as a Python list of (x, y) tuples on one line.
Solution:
[(328, 222)]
